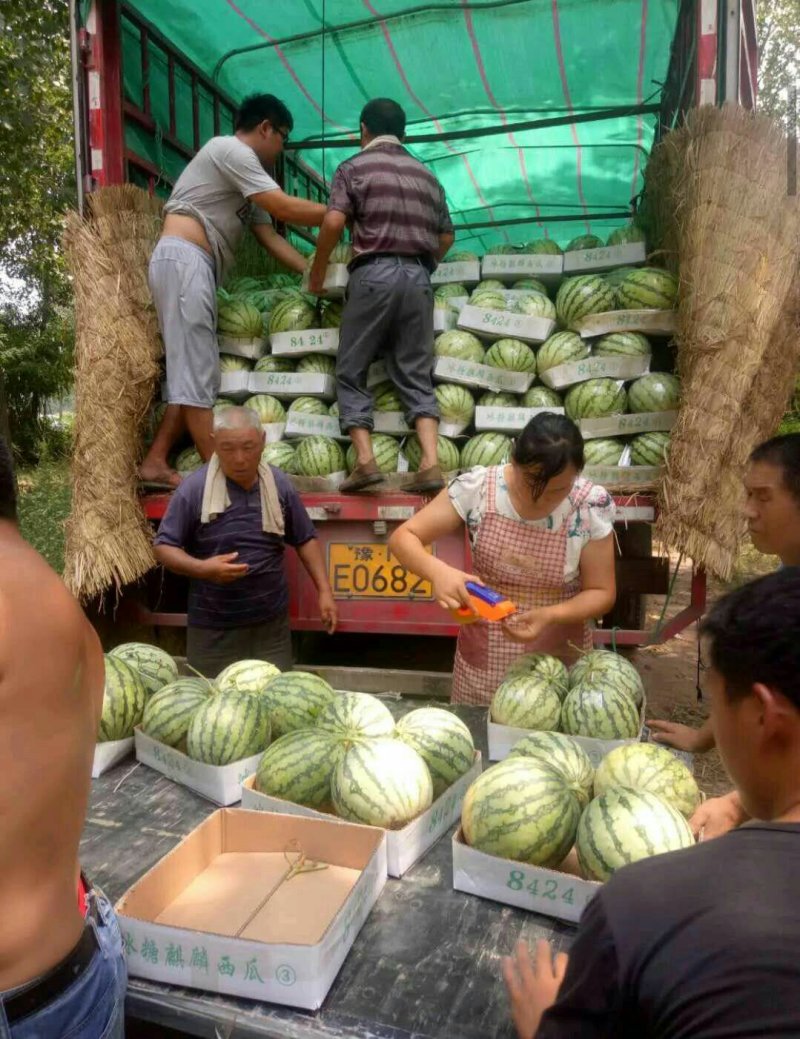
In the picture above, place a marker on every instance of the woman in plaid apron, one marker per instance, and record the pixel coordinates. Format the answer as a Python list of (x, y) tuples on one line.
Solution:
[(541, 535)]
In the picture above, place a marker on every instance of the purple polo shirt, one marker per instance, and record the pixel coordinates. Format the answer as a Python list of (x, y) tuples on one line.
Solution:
[(263, 592)]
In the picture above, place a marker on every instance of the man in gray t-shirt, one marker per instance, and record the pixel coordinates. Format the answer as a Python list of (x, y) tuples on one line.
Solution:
[(222, 192)]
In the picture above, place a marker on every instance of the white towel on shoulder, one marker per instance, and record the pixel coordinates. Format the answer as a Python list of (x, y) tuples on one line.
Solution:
[(216, 498)]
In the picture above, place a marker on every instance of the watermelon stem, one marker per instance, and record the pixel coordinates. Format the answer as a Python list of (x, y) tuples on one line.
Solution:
[(208, 681)]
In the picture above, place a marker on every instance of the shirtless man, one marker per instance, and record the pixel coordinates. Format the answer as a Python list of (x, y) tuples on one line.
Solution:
[(61, 962)]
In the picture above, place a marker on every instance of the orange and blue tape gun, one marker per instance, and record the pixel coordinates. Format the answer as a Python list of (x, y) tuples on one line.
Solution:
[(487, 605)]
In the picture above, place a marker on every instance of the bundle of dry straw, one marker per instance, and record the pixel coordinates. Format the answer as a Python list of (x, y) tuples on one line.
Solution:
[(733, 237), (117, 349)]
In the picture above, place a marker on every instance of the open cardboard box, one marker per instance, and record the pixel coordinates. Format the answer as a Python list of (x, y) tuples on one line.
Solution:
[(403, 847), (627, 425), (500, 324), (650, 322), (512, 267), (508, 420), (249, 348), (292, 384), (471, 373), (107, 755), (221, 784), (220, 913), (463, 272), (310, 341), (604, 258), (336, 279), (563, 375)]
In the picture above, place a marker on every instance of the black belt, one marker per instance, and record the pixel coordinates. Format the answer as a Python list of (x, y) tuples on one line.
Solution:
[(364, 258), (55, 982)]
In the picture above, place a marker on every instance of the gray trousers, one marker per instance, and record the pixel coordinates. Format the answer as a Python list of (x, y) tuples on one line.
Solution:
[(211, 650), (388, 313)]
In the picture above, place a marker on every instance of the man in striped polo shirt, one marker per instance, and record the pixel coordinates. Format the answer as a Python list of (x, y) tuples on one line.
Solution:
[(401, 229)]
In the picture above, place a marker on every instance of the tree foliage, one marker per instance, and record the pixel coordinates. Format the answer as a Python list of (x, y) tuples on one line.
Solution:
[(778, 33)]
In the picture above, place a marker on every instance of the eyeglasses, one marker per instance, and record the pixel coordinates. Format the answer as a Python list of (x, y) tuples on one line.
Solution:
[(284, 133)]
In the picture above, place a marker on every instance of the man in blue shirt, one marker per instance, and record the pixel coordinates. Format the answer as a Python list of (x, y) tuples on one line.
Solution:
[(226, 529)]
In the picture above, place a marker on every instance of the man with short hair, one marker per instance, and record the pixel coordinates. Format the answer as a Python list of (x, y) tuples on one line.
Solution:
[(62, 970), (701, 943), (226, 529), (401, 230), (223, 190)]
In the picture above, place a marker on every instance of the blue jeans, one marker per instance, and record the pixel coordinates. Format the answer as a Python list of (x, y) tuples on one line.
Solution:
[(93, 1007)]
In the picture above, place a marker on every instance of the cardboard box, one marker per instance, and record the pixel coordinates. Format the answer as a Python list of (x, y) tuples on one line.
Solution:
[(391, 422), (336, 279), (376, 373), (107, 755), (610, 476), (221, 912), (444, 319), (583, 261), (466, 272), (301, 424), (249, 348), (403, 847), (512, 267), (502, 324), (273, 431), (624, 368), (508, 420), (236, 385), (650, 322), (319, 483), (221, 784), (552, 892), (293, 384), (310, 341), (627, 425), (470, 373)]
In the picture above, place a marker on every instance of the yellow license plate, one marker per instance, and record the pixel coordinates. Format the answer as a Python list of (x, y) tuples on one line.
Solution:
[(368, 570)]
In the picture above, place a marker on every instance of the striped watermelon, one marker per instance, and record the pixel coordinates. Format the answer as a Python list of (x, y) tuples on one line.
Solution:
[(269, 409), (294, 700), (522, 809), (386, 398), (650, 448), (603, 451), (498, 399), (333, 410), (446, 453), (246, 676), (486, 449), (317, 364), (616, 277), (622, 344), (657, 391), (308, 406), (231, 363), (561, 348), (292, 315), (526, 701), (461, 256), (534, 304), (243, 284), (626, 235), (238, 319), (443, 742), (355, 717), (596, 398), (541, 397), (649, 767), (220, 405), (386, 449), (512, 355), (228, 727), (319, 456), (601, 666), (648, 288), (579, 297), (463, 345), (281, 455), (542, 246), (531, 285), (275, 364), (584, 241), (124, 699), (489, 285), (599, 711), (502, 250), (188, 461), (553, 670), (298, 767), (169, 713), (564, 755), (624, 826), (381, 782), (155, 666), (488, 299), (450, 290), (456, 403)]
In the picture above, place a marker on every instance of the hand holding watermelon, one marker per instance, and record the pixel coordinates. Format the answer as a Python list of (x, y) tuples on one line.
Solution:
[(532, 984)]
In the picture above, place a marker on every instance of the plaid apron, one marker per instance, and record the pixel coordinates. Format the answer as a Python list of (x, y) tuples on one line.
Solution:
[(526, 564)]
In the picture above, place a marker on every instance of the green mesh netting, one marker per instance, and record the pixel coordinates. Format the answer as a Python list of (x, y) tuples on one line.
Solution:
[(454, 66)]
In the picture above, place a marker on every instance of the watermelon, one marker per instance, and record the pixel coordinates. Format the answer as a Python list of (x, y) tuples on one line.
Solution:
[(342, 252), (461, 256), (531, 284), (463, 345), (264, 300), (595, 398), (603, 451), (445, 292), (489, 299), (561, 348), (381, 782), (188, 461), (228, 727), (298, 767), (522, 809), (534, 304), (543, 246), (501, 250), (308, 406), (541, 397), (443, 742), (564, 755), (386, 398), (584, 241), (269, 409), (282, 280), (319, 456), (626, 235), (648, 288), (579, 297), (456, 403), (622, 344), (292, 315), (386, 449), (169, 713), (486, 449), (232, 363), (650, 767), (220, 405), (604, 667), (526, 701), (623, 826), (246, 676), (489, 285), (281, 455), (498, 399), (618, 275), (238, 319), (332, 314), (599, 711), (275, 364), (553, 670), (650, 448), (512, 355), (355, 717), (124, 700), (657, 391), (294, 700), (155, 666), (333, 410), (244, 284), (317, 364), (446, 454)]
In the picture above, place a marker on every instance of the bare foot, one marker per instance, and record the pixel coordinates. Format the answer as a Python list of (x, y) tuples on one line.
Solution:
[(161, 475)]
